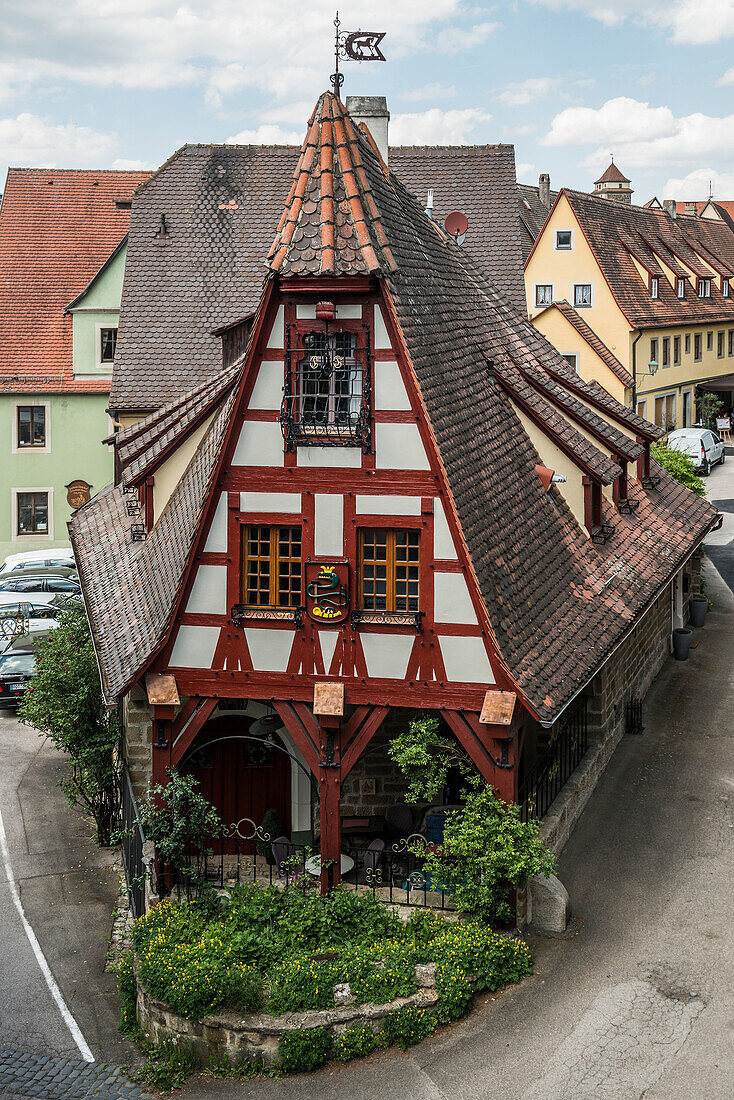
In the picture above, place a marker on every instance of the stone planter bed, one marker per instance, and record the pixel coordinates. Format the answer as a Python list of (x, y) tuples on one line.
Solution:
[(255, 1038)]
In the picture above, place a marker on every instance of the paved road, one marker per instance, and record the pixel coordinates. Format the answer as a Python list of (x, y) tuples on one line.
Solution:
[(639, 999), (67, 888), (720, 544)]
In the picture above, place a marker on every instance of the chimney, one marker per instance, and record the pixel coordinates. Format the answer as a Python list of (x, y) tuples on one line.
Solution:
[(429, 203), (544, 189), (691, 209), (669, 207), (372, 110)]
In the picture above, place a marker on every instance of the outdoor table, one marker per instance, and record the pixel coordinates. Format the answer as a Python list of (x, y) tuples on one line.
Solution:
[(313, 865)]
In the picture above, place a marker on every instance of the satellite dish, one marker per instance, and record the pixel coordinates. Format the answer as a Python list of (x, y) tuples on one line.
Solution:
[(456, 225)]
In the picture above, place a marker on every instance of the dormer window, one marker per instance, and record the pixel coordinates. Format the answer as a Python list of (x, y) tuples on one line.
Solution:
[(654, 286), (681, 288), (724, 286), (704, 288), (326, 399)]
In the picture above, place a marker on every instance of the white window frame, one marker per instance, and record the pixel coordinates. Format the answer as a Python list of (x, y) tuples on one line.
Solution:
[(102, 367), (535, 294), (555, 240), (14, 448), (575, 364), (654, 286), (573, 295), (641, 401), (704, 284), (680, 286), (15, 537), (725, 286)]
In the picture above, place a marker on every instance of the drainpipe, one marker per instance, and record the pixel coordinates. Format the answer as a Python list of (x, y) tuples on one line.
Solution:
[(634, 370)]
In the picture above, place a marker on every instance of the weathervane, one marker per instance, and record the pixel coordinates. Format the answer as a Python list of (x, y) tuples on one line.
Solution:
[(354, 46)]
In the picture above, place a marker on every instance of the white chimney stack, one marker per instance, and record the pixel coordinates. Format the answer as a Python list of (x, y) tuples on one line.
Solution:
[(429, 203), (372, 110)]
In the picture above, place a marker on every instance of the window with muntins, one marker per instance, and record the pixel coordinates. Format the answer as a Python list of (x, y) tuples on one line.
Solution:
[(32, 513), (582, 295), (327, 391), (389, 569), (704, 288), (654, 287), (725, 287), (544, 294), (107, 345), (31, 426), (271, 567), (681, 288)]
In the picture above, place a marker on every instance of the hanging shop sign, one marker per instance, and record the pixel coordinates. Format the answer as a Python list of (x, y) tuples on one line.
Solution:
[(77, 493)]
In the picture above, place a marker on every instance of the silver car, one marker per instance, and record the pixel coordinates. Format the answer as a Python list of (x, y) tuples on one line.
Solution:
[(701, 445)]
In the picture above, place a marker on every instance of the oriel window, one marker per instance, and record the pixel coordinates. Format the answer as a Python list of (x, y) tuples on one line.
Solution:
[(271, 566), (107, 344), (389, 569), (31, 426)]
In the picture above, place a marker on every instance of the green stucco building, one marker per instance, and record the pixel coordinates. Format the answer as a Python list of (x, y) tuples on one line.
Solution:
[(62, 262)]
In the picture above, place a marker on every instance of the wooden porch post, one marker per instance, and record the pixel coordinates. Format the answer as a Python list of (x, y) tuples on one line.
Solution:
[(330, 784), (491, 749)]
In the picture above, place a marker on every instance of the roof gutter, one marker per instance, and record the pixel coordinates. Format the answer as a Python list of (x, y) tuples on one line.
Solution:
[(634, 369)]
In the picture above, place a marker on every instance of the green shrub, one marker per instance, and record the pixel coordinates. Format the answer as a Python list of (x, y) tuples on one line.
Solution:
[(304, 1050), (168, 1066), (454, 990), (679, 466), (128, 994), (407, 1026), (355, 1042)]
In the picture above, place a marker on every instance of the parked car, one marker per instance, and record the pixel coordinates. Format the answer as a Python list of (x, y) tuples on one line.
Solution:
[(16, 669), (21, 619), (39, 587), (21, 572), (41, 559), (700, 444), (28, 643), (62, 600)]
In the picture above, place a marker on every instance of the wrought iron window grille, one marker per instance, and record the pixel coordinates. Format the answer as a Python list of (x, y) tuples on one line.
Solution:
[(564, 753), (388, 618), (327, 393), (628, 507), (241, 614)]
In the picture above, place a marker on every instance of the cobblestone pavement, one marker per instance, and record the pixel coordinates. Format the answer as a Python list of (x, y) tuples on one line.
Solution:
[(621, 1046), (26, 1075)]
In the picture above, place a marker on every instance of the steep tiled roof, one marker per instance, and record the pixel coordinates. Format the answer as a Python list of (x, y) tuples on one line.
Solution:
[(616, 233), (612, 175), (330, 225), (57, 229), (557, 603), (533, 213), (222, 205), (574, 318)]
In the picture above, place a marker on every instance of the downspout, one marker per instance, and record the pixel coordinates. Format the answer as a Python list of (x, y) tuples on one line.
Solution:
[(634, 370)]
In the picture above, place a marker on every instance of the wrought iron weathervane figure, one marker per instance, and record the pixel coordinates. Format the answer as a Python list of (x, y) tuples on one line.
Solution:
[(354, 46)]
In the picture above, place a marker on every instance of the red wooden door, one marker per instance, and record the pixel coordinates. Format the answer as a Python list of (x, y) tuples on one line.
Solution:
[(242, 779)]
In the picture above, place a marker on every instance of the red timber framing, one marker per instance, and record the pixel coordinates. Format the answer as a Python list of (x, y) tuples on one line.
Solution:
[(290, 490)]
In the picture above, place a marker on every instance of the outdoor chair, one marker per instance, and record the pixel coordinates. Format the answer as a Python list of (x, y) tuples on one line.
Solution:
[(398, 821), (373, 858), (283, 853)]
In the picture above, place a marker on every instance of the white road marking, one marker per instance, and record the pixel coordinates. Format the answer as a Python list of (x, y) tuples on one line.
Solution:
[(53, 988)]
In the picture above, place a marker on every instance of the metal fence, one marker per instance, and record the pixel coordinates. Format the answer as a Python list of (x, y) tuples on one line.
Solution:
[(563, 755), (132, 848)]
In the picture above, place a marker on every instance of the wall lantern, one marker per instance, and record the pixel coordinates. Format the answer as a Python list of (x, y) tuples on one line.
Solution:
[(653, 366)]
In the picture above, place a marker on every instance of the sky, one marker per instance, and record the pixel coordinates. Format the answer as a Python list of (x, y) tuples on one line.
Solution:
[(100, 84)]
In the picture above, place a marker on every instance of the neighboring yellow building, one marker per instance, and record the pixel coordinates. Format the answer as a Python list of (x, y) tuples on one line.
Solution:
[(656, 290)]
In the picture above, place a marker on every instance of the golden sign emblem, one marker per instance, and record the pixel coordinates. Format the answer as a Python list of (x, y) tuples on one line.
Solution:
[(77, 493)]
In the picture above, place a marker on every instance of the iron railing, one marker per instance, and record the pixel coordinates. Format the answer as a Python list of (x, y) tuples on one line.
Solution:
[(563, 755), (132, 848)]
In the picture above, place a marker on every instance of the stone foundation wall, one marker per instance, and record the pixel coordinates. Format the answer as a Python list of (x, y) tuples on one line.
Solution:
[(138, 739), (628, 673), (376, 767), (254, 1038)]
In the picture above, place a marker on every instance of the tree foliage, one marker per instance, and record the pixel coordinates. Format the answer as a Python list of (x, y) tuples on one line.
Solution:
[(486, 848), (679, 466), (708, 407), (180, 822), (64, 703)]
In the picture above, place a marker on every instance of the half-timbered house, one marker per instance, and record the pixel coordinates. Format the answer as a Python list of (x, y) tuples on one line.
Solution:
[(394, 496)]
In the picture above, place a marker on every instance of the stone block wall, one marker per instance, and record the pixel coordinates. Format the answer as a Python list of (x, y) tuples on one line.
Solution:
[(138, 740), (376, 766)]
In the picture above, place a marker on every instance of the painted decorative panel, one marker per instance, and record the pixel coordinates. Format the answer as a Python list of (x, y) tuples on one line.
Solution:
[(466, 660), (209, 592), (387, 655), (194, 647)]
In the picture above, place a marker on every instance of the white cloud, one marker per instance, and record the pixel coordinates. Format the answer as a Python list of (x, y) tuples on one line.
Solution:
[(29, 140), (281, 49), (524, 173), (436, 127), (697, 183), (641, 136), (456, 39), (430, 91), (727, 78), (691, 22), (527, 91), (267, 134), (123, 165), (519, 131)]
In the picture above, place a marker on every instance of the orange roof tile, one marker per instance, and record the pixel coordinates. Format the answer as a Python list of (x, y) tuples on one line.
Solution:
[(57, 229)]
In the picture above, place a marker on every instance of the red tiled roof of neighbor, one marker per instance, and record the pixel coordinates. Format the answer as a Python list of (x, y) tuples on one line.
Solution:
[(728, 205), (57, 229)]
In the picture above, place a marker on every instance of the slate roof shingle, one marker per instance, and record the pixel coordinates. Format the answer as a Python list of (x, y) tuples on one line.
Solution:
[(58, 227)]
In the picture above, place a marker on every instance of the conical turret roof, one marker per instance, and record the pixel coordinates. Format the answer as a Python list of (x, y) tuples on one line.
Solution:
[(331, 224), (612, 175)]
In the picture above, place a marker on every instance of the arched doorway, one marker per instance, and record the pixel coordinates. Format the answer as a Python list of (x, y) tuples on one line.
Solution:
[(241, 778)]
